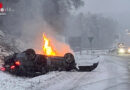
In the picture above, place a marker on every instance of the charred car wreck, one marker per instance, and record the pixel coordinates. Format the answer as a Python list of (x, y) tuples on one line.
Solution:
[(30, 64)]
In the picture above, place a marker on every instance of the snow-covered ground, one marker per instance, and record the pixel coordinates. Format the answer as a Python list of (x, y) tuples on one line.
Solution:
[(111, 74)]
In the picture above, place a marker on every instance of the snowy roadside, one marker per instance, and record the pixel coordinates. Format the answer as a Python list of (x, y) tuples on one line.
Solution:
[(110, 68), (9, 82), (86, 60), (107, 69)]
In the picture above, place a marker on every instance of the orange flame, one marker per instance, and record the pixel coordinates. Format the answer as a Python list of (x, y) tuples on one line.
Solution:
[(47, 48), (53, 47)]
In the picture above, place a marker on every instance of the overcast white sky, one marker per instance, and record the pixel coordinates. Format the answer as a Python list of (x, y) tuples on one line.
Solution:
[(102, 6), (118, 9)]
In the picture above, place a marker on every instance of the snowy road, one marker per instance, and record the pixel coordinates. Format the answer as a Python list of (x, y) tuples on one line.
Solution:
[(111, 74)]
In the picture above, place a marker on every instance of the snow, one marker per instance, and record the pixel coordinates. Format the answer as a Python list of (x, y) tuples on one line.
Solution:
[(83, 59), (111, 72)]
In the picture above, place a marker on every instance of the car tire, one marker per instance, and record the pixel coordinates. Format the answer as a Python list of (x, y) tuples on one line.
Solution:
[(69, 58)]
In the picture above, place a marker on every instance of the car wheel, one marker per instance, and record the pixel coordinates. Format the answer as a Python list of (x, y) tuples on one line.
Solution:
[(69, 58)]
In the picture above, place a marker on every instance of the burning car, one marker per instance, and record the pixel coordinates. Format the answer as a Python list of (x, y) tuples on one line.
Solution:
[(30, 64)]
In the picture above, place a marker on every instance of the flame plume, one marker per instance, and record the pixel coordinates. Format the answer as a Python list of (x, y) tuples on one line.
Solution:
[(47, 48)]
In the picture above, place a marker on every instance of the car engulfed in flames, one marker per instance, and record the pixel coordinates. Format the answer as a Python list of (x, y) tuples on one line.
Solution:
[(30, 64)]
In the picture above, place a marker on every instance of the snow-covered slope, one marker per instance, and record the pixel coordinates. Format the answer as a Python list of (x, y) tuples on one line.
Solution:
[(110, 72)]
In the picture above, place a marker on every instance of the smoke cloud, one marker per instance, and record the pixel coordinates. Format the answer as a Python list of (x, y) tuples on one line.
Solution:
[(33, 17)]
